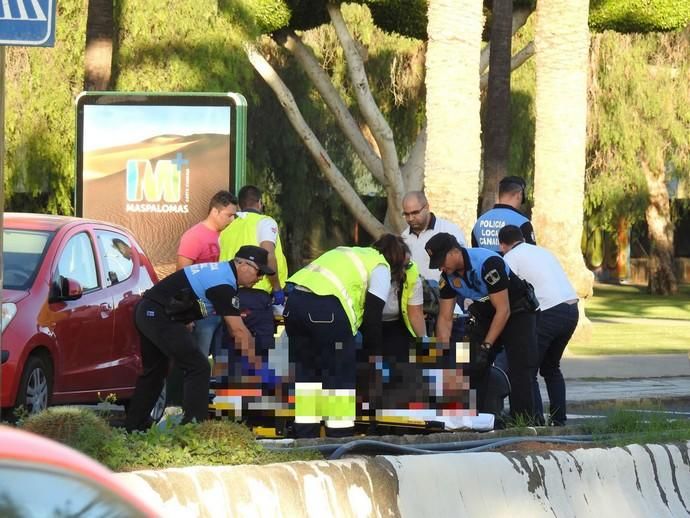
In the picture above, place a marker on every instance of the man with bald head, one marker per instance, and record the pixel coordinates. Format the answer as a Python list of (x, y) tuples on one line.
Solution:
[(422, 226)]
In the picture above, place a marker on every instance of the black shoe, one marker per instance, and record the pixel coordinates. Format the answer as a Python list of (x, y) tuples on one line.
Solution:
[(307, 430), (340, 432)]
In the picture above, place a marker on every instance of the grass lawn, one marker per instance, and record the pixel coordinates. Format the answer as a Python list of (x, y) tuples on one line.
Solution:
[(627, 320)]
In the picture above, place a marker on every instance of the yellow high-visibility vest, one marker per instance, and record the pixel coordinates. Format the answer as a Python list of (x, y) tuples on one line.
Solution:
[(242, 231), (343, 272), (411, 276)]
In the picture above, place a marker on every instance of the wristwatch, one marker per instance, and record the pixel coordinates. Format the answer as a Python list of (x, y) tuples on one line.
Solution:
[(486, 346)]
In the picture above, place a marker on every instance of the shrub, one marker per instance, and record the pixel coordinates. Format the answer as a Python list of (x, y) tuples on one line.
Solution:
[(76, 427)]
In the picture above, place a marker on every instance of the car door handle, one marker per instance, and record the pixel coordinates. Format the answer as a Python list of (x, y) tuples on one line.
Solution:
[(106, 309)]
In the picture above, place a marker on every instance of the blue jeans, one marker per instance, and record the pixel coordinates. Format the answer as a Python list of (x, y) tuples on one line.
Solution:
[(204, 334), (555, 326)]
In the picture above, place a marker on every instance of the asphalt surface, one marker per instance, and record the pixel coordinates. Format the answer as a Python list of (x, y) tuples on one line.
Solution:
[(596, 382)]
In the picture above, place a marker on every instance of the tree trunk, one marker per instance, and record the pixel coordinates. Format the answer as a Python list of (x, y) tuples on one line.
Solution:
[(662, 277), (622, 248), (99, 45), (562, 45), (329, 169), (453, 151), (497, 115)]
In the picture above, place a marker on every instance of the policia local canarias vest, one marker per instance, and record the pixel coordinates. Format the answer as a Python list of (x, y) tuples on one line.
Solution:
[(485, 231), (203, 276), (411, 276), (473, 285), (344, 273), (242, 232)]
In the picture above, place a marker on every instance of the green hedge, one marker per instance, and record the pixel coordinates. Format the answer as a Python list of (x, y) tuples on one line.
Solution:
[(41, 84), (639, 15)]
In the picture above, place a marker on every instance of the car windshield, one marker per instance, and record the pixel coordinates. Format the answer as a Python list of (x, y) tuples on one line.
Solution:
[(22, 252)]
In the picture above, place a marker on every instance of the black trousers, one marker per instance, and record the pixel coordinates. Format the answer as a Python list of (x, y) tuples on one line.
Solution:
[(322, 346), (519, 341), (163, 340)]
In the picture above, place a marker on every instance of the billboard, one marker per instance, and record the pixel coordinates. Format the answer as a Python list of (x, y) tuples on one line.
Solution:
[(151, 162)]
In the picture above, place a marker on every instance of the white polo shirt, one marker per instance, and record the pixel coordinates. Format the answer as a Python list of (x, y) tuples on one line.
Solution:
[(541, 269), (417, 244)]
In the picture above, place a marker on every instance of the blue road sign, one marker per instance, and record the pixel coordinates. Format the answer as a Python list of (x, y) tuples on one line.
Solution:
[(27, 22)]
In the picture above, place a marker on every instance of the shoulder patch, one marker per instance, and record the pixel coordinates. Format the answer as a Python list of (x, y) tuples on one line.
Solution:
[(457, 282), (441, 282), (235, 302), (492, 277)]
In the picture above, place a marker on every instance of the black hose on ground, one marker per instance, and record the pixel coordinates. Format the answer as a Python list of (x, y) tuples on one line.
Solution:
[(372, 447)]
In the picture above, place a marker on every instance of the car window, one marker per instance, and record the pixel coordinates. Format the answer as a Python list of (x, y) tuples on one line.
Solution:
[(36, 491), (116, 250), (77, 262), (22, 255)]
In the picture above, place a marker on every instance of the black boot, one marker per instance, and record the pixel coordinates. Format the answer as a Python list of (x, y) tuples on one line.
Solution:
[(307, 430), (340, 432)]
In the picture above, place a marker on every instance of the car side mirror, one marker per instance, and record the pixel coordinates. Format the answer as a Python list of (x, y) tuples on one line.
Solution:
[(66, 288)]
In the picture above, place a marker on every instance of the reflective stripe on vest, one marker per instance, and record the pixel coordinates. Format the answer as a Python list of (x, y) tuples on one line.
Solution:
[(343, 272)]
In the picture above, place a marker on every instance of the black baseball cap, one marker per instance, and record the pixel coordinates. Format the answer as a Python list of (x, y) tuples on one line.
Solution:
[(438, 246), (257, 255)]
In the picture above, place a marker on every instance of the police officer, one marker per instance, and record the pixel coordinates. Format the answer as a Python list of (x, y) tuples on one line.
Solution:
[(252, 227), (507, 319), (340, 292), (511, 195), (161, 318), (558, 314)]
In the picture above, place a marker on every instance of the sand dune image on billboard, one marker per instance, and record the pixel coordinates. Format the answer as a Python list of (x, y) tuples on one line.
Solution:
[(158, 187)]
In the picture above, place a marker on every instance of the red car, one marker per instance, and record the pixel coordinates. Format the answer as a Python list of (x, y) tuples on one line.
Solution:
[(40, 477), (69, 290)]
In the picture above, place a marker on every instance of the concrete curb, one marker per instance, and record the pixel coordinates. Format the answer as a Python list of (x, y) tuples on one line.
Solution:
[(647, 480)]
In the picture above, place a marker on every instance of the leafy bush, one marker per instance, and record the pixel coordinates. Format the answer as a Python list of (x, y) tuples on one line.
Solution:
[(639, 15)]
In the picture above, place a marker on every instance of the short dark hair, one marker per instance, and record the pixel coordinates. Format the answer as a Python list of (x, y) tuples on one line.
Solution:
[(394, 250), (249, 196), (511, 184), (222, 199), (510, 234)]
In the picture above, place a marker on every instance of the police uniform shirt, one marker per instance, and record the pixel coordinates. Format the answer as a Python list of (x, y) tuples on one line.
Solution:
[(485, 231), (417, 243), (485, 273), (541, 269), (222, 296)]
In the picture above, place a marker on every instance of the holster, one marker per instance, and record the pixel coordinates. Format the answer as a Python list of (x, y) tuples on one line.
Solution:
[(184, 306), (527, 302)]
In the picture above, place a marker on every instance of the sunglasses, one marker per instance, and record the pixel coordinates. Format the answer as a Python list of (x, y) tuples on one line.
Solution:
[(258, 271), (414, 212)]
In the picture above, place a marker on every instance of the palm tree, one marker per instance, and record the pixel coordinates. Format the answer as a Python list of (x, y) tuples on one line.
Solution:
[(562, 52), (497, 116), (453, 150), (99, 45)]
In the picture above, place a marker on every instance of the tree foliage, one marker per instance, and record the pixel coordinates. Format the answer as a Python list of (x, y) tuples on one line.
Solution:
[(639, 110), (639, 15), (41, 84)]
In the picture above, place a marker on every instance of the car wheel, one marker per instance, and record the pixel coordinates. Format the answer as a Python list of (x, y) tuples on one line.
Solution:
[(159, 408), (35, 388)]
